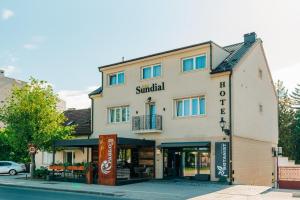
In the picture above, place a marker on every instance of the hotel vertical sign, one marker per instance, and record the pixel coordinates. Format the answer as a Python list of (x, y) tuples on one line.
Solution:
[(222, 159), (108, 159)]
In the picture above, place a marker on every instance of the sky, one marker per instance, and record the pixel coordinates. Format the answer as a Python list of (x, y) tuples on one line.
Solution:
[(64, 42)]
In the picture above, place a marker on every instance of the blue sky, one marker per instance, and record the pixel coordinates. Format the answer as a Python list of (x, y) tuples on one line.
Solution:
[(64, 42)]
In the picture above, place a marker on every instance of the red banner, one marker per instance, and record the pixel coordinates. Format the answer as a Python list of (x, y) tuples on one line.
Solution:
[(108, 159)]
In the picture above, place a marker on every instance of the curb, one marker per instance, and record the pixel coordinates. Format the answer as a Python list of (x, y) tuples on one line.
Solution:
[(64, 190)]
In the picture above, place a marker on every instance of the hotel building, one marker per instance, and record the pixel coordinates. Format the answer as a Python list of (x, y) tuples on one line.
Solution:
[(204, 105), (202, 112)]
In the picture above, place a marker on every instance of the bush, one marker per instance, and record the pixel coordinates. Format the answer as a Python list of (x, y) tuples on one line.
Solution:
[(41, 173)]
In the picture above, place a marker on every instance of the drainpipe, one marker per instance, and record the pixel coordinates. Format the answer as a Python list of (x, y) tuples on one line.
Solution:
[(230, 135), (210, 56)]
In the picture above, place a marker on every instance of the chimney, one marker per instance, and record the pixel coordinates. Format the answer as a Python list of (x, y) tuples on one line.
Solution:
[(1, 73), (250, 37)]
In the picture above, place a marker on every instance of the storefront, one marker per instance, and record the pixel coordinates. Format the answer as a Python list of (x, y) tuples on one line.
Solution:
[(188, 160), (116, 160)]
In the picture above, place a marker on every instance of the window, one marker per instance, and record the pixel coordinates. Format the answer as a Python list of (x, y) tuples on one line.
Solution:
[(118, 114), (117, 78), (260, 73), (47, 158), (193, 63), (151, 71), (261, 108), (194, 106)]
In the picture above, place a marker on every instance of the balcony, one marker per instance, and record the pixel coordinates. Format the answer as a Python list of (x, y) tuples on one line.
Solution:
[(147, 124)]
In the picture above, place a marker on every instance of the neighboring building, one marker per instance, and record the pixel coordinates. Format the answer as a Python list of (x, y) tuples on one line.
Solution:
[(179, 99), (6, 86), (82, 120)]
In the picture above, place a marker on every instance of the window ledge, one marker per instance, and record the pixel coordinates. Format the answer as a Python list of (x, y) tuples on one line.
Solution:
[(147, 131)]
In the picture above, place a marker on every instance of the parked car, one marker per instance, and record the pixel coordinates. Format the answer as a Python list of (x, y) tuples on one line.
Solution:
[(12, 168)]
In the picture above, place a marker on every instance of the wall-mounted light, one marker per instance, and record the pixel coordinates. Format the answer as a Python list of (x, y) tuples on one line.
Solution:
[(223, 125)]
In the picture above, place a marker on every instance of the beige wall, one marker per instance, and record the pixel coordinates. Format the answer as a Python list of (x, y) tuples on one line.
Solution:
[(253, 163), (80, 156), (6, 85), (248, 92), (219, 54), (177, 85)]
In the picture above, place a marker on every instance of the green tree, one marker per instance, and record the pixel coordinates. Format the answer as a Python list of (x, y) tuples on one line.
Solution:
[(295, 95), (296, 136), (285, 121), (31, 117)]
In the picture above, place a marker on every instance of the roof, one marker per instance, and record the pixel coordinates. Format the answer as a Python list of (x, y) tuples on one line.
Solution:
[(156, 54), (95, 92), (237, 51), (81, 118)]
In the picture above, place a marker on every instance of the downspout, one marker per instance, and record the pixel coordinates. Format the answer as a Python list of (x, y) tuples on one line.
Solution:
[(210, 56), (230, 135)]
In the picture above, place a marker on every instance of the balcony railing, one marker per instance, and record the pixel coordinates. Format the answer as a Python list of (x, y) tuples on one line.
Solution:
[(147, 122)]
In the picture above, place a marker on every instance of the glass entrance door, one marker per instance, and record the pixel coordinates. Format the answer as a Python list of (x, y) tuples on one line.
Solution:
[(187, 162)]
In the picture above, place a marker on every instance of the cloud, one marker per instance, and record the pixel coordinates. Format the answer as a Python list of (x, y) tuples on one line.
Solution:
[(77, 98), (9, 69), (6, 14), (289, 75), (30, 46), (34, 42)]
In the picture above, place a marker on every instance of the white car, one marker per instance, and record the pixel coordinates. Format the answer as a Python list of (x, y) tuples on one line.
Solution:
[(12, 168)]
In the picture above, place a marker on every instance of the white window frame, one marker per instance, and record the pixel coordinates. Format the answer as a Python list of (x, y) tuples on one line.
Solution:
[(117, 78), (127, 110), (194, 62), (190, 107), (151, 75)]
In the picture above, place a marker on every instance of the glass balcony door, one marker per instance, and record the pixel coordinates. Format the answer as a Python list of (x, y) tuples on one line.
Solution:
[(151, 115)]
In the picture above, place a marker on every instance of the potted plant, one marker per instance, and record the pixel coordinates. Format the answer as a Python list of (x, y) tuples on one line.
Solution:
[(88, 168), (58, 167)]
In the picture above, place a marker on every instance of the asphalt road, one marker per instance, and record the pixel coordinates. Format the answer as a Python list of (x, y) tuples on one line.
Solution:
[(15, 193)]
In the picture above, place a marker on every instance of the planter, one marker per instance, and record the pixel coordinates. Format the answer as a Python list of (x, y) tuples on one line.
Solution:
[(75, 168), (56, 167)]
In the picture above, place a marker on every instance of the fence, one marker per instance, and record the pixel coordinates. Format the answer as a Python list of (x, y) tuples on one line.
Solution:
[(289, 177)]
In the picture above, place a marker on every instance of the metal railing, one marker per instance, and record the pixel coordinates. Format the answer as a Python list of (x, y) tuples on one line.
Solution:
[(147, 122)]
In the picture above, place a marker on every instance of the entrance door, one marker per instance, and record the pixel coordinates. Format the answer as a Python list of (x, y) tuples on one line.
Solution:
[(68, 157), (172, 163), (187, 162), (151, 115)]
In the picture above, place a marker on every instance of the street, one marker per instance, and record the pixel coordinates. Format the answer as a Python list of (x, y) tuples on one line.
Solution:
[(14, 193)]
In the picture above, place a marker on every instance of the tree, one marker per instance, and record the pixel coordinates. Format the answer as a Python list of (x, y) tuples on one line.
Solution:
[(295, 95), (31, 117), (296, 136), (285, 121)]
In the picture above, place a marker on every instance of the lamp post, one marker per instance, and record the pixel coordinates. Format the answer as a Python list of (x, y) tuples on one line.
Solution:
[(228, 133)]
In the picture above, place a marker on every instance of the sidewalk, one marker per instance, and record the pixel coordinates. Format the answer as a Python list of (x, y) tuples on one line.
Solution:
[(156, 189)]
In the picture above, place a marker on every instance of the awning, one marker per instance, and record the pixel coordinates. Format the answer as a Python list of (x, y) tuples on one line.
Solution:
[(77, 143), (184, 144), (95, 142)]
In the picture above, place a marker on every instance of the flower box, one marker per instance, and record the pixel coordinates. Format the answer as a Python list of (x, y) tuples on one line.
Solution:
[(56, 167), (75, 168)]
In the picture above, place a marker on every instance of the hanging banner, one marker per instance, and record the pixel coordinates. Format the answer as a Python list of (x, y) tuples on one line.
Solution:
[(222, 159), (107, 159)]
